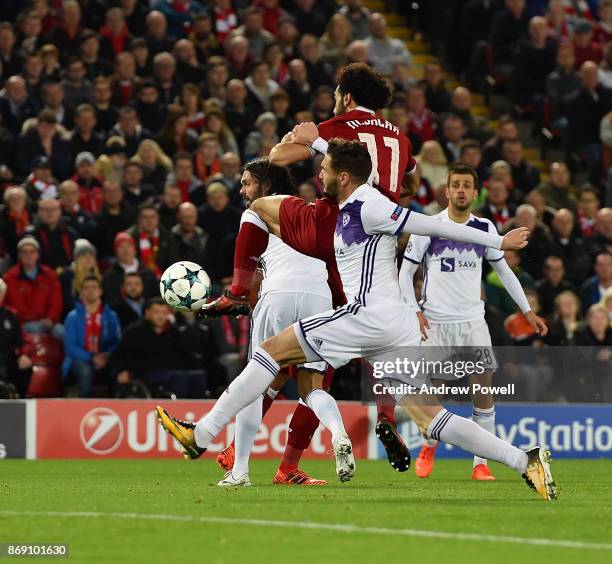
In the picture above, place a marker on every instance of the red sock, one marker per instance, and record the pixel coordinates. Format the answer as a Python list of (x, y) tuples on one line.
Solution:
[(302, 427), (267, 402), (385, 404), (250, 245)]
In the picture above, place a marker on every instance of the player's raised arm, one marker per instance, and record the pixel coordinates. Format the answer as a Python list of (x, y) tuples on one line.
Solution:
[(289, 151)]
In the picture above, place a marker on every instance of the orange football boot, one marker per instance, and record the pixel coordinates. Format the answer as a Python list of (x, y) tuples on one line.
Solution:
[(296, 477), (482, 472), (424, 464), (225, 459)]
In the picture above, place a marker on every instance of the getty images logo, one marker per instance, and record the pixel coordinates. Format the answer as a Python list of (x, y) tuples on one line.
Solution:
[(447, 264), (101, 430)]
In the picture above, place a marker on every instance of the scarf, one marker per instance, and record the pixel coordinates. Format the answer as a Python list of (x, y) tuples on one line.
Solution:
[(118, 42), (93, 329), (48, 190), (500, 218), (148, 249), (20, 219)]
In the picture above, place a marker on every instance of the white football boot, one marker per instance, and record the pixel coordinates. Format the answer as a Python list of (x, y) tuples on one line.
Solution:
[(229, 480), (345, 461)]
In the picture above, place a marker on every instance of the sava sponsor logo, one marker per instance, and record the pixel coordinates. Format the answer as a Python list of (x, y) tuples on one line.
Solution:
[(451, 264)]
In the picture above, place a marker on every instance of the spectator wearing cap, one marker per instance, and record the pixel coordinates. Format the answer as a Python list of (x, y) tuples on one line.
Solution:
[(89, 52), (154, 244), (106, 113), (114, 217), (130, 306), (594, 288), (126, 261), (40, 184), (252, 28), (15, 363), (83, 265), (84, 137), (55, 237), (259, 143), (135, 192), (585, 48), (358, 16), (92, 332), (221, 222), (190, 240), (16, 105), (80, 220), (15, 218), (90, 186), (130, 130), (76, 85), (34, 291), (383, 51), (157, 37), (168, 205), (44, 140)]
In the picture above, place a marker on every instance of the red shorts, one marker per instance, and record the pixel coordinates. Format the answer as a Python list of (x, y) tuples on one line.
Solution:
[(309, 229)]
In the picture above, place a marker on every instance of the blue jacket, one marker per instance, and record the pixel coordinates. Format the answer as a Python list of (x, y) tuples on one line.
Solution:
[(74, 335)]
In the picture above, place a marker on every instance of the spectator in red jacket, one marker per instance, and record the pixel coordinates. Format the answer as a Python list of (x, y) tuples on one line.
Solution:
[(90, 186), (34, 291)]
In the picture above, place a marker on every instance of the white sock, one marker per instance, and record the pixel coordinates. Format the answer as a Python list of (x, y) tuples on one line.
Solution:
[(244, 389), (485, 417), (248, 421), (326, 409), (464, 433)]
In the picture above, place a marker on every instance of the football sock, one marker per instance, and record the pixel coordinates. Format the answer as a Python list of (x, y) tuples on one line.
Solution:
[(485, 417), (326, 410), (268, 398), (244, 389), (302, 427), (469, 436), (247, 425), (385, 405), (251, 243)]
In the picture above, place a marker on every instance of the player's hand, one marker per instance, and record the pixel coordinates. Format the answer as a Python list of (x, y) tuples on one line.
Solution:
[(515, 240), (423, 324), (305, 133), (538, 324)]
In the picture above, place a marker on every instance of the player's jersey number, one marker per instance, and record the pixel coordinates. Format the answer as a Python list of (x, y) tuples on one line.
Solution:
[(393, 144)]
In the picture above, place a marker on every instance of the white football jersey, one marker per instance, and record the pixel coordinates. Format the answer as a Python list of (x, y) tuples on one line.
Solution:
[(286, 270), (365, 244), (452, 273)]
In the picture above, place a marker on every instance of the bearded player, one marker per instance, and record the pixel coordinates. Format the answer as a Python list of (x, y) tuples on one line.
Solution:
[(452, 317), (361, 91), (376, 322), (294, 286)]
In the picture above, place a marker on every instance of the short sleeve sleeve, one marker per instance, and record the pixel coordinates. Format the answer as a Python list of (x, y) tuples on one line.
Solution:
[(491, 254), (381, 215)]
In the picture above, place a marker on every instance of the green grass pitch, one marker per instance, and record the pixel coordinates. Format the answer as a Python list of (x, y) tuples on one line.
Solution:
[(377, 498)]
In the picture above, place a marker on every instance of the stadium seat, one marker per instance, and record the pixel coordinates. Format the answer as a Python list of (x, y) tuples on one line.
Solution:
[(46, 382), (46, 350)]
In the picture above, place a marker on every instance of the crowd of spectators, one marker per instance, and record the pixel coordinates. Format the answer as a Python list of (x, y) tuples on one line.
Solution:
[(124, 125)]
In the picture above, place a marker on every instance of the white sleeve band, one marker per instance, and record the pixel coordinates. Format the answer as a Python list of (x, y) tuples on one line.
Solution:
[(320, 145), (312, 151), (512, 284), (406, 282), (420, 224), (249, 216)]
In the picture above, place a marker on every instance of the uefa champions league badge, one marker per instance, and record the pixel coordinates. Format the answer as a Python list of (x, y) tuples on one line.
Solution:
[(396, 213), (346, 218)]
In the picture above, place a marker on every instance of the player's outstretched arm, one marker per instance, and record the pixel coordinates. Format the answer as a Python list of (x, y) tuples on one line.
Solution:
[(420, 224), (284, 154), (514, 288)]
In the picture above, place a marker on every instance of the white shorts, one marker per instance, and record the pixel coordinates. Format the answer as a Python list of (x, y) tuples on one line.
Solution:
[(276, 311), (469, 340), (376, 333)]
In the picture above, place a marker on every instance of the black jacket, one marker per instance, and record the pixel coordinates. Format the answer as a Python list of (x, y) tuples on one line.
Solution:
[(113, 278), (126, 313), (110, 224)]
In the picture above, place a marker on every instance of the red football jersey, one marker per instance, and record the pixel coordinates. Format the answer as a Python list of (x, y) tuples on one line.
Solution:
[(390, 149)]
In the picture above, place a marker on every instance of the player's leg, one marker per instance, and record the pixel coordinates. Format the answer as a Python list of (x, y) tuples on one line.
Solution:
[(434, 420), (483, 413), (282, 350)]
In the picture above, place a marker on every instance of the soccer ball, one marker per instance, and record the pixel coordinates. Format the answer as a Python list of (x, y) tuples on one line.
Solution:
[(185, 286)]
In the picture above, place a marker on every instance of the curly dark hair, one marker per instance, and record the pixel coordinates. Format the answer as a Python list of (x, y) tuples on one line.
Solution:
[(366, 85), (277, 178)]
